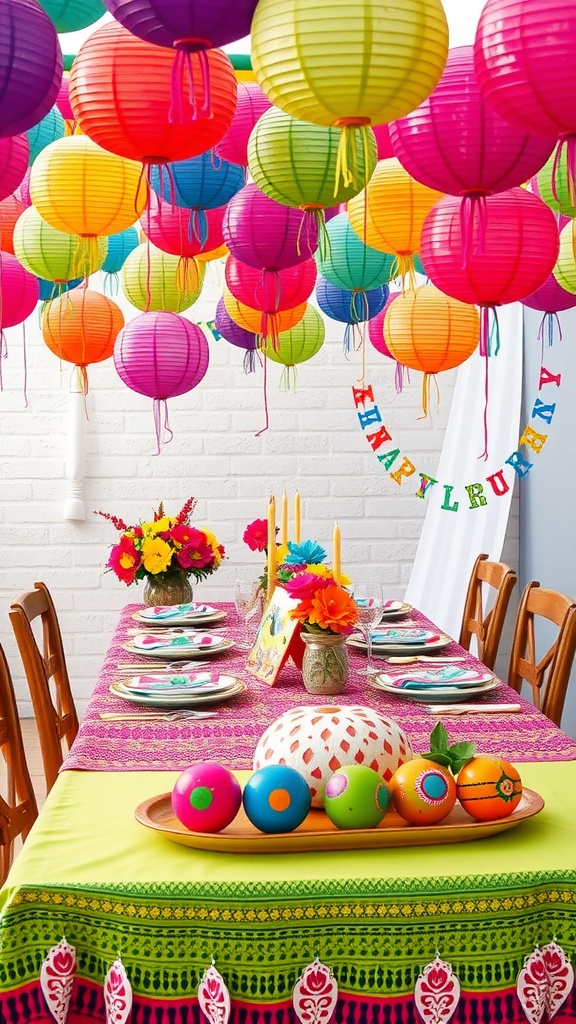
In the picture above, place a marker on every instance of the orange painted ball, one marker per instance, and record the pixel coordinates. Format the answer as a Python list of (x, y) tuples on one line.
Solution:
[(422, 791), (489, 788)]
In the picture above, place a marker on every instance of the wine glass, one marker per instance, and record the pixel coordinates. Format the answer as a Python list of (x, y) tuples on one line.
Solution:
[(369, 598), (247, 598)]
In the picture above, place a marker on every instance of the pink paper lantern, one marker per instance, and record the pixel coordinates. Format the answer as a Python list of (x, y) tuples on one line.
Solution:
[(455, 141), (170, 228), (550, 299), (292, 287), (252, 103), (266, 235), (161, 355), (22, 193), (63, 99), (14, 153), (382, 133), (19, 291)]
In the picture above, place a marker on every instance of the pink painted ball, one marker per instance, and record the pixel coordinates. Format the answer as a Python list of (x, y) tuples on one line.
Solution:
[(206, 797)]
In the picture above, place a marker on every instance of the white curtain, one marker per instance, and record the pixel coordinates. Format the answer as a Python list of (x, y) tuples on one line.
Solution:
[(451, 541)]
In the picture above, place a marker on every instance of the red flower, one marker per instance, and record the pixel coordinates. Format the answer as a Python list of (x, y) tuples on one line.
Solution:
[(197, 553), (184, 535), (124, 560), (256, 535)]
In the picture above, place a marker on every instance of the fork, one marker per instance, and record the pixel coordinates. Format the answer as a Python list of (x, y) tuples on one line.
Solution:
[(160, 667), (172, 631), (166, 716)]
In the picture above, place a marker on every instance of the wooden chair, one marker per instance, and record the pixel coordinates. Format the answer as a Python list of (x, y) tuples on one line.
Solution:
[(46, 671), (486, 627), (548, 678), (18, 809)]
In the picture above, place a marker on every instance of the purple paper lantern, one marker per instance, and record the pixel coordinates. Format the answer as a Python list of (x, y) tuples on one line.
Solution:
[(237, 335), (161, 355), (266, 235), (189, 25), (30, 65)]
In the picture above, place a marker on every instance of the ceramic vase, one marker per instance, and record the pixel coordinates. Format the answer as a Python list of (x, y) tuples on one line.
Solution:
[(167, 588)]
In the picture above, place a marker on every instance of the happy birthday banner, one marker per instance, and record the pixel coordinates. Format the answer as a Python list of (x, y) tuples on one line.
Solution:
[(400, 468)]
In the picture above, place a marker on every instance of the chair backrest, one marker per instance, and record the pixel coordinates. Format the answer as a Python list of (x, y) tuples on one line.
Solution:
[(18, 808), (486, 627), (47, 676), (547, 678)]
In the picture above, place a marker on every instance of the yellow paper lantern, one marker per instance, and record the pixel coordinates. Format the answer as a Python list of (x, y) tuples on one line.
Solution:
[(84, 190), (267, 325), (391, 219), (565, 269), (152, 280), (54, 255), (348, 65)]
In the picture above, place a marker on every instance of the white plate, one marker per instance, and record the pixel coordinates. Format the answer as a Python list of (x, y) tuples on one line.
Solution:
[(433, 677), (193, 700), (384, 650), (176, 684), (180, 652), (391, 614), (440, 695), (179, 618)]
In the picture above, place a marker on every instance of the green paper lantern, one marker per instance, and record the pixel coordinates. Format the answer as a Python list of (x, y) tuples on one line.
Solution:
[(47, 130), (52, 254), (156, 281), (545, 178), (72, 15), (295, 162), (349, 263), (565, 269), (297, 345)]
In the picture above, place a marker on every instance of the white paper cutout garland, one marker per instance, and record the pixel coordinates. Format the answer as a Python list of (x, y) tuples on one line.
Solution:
[(214, 997), (315, 994), (56, 979), (117, 994), (436, 992)]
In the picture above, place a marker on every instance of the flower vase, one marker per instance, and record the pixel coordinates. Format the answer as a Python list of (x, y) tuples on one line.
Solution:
[(171, 588), (325, 667)]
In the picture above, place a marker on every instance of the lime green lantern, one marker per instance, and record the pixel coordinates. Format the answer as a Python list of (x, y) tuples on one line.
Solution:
[(153, 280), (565, 269), (52, 254), (552, 182), (348, 263), (297, 345), (295, 162)]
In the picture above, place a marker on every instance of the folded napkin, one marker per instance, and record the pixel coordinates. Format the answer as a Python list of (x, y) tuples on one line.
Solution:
[(178, 685), (403, 636), (176, 611), (145, 642), (444, 677)]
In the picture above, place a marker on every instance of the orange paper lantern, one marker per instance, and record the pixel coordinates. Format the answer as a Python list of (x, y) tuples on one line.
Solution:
[(81, 327)]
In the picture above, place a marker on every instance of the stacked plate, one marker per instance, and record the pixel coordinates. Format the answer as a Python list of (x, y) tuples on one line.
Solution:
[(193, 614), (178, 645), (177, 690), (394, 610), (395, 640), (445, 684)]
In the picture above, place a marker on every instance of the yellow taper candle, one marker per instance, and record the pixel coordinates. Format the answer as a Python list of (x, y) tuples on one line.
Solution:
[(336, 559), (271, 548), (297, 517), (284, 531)]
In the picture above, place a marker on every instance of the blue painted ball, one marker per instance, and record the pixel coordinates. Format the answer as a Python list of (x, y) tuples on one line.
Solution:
[(276, 798)]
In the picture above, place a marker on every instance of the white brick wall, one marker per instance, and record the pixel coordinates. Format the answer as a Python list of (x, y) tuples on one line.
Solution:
[(314, 444)]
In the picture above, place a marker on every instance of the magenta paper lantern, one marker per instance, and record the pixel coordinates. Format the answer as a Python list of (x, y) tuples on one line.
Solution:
[(161, 355), (382, 133), (550, 299), (170, 228), (455, 141), (30, 65), (266, 235), (22, 193), (291, 288), (19, 291), (14, 153), (236, 335), (187, 25), (63, 99), (252, 103)]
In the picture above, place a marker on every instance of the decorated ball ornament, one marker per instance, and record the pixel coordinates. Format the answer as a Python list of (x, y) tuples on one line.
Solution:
[(183, 25), (206, 797), (276, 798), (10, 210), (52, 254), (30, 65), (553, 184), (169, 227), (422, 792), (350, 307), (19, 292), (356, 796), (489, 788), (318, 740), (151, 280)]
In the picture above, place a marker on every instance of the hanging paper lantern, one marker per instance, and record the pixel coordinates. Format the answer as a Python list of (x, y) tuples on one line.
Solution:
[(151, 281), (85, 190), (430, 331), (389, 213), (81, 327), (297, 345), (382, 135), (202, 183), (550, 299), (294, 285), (120, 91), (349, 307), (73, 15), (455, 141), (18, 292), (376, 335), (565, 269), (236, 335), (252, 103), (22, 193), (161, 355), (50, 290), (349, 263), (10, 211), (553, 185), (349, 66), (30, 65), (63, 98), (254, 320), (119, 248), (221, 252), (13, 163), (294, 162), (50, 128), (266, 235), (185, 25), (169, 228), (55, 255)]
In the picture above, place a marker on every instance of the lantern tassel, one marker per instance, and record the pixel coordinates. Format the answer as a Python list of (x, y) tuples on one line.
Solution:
[(289, 378), (269, 326), (489, 331), (304, 227), (484, 454), (161, 424), (198, 227), (426, 388), (347, 169), (265, 395), (401, 377), (187, 51), (548, 323), (270, 288), (317, 212), (473, 224), (249, 361), (347, 341), (404, 267)]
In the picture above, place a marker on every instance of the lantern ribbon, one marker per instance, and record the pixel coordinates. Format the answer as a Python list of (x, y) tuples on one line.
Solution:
[(347, 169), (401, 377), (289, 378), (265, 392), (426, 385), (473, 209), (161, 428), (183, 62), (198, 227), (547, 324), (403, 267)]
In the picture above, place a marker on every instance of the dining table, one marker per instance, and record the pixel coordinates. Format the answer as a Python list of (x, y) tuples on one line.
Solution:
[(105, 919)]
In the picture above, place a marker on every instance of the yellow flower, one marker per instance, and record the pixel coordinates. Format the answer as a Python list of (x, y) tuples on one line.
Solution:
[(156, 555), (318, 569), (160, 526), (211, 539)]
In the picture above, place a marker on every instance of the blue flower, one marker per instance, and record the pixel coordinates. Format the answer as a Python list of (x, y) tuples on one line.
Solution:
[(309, 552)]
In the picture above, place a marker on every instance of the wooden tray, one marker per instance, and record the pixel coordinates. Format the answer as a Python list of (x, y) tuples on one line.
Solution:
[(318, 833)]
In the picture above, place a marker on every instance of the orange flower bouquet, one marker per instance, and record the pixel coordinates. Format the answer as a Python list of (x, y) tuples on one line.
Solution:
[(324, 606)]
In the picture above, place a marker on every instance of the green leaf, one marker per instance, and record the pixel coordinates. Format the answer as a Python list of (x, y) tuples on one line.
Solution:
[(438, 758), (458, 764), (463, 749), (439, 739)]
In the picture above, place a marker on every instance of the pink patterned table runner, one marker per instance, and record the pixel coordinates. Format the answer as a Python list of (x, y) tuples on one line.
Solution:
[(231, 737)]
